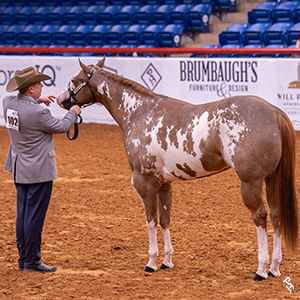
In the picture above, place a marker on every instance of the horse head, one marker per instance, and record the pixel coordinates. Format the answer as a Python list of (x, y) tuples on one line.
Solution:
[(79, 90)]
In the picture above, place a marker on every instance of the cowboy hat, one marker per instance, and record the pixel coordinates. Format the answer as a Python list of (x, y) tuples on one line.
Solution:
[(25, 78)]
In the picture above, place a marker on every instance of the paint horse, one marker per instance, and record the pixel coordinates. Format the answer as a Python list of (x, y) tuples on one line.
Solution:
[(168, 139)]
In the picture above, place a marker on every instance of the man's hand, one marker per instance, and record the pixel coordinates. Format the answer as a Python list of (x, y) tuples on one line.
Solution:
[(47, 99), (77, 109)]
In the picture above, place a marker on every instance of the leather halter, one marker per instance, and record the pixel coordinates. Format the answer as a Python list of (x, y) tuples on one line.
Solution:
[(72, 94), (74, 101)]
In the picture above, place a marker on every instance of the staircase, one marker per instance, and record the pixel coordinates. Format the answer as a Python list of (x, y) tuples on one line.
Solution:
[(217, 25)]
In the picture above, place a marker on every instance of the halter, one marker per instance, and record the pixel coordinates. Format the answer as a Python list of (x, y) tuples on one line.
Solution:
[(73, 93), (74, 101)]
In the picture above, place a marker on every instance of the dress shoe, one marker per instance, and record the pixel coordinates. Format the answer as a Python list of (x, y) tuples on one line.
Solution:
[(41, 268)]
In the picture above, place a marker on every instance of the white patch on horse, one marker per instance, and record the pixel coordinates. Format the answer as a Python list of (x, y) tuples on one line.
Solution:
[(101, 87), (136, 142), (231, 132), (167, 161), (130, 104)]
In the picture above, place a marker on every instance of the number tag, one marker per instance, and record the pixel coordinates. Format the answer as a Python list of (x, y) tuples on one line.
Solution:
[(12, 119)]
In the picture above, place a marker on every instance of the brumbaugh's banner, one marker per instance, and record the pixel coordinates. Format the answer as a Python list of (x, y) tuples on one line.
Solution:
[(195, 80)]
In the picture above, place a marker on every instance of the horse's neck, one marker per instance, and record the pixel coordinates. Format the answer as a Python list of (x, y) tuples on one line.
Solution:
[(120, 100)]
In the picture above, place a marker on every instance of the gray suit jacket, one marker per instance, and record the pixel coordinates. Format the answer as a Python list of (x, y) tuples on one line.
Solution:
[(31, 155)]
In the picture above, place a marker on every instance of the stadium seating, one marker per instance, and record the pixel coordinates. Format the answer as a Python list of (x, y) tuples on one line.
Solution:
[(95, 37), (125, 16), (198, 17), (177, 15), (284, 11), (276, 35), (262, 13), (170, 36), (233, 36), (254, 35), (131, 35), (293, 35), (114, 36), (159, 16), (149, 36), (142, 15)]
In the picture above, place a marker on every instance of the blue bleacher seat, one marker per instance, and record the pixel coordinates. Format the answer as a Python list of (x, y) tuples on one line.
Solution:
[(198, 17), (142, 16), (38, 17), (56, 15), (159, 16), (276, 34), (114, 35), (22, 17), (228, 5), (6, 15), (233, 35), (262, 13), (131, 35), (95, 38), (72, 16), (254, 35), (125, 15), (284, 11), (49, 3), (107, 16), (9, 37), (60, 37), (36, 3), (26, 37), (177, 16), (149, 36), (44, 36), (293, 34), (154, 2), (296, 13), (170, 36), (78, 37), (90, 15)]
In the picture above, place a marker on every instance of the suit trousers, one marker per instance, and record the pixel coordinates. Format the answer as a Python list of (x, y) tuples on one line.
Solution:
[(32, 204)]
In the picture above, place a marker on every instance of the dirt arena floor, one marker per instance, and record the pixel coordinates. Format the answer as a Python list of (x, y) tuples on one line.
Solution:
[(95, 233)]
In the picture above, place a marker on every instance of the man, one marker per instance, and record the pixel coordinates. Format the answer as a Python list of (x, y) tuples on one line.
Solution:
[(31, 159)]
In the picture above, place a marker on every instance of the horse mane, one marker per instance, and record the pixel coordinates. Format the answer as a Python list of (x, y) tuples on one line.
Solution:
[(130, 83)]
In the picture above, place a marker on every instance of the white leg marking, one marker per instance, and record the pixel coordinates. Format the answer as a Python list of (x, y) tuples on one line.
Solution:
[(153, 249), (276, 256), (168, 249), (263, 254)]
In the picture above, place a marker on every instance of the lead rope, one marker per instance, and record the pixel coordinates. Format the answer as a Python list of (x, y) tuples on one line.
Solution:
[(76, 129)]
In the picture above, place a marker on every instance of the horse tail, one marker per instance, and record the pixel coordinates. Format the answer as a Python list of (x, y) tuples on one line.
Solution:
[(285, 183)]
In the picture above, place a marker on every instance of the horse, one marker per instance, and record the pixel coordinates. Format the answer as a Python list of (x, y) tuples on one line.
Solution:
[(168, 140)]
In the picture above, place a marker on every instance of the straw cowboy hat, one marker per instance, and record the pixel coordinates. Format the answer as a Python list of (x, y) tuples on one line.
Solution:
[(25, 78)]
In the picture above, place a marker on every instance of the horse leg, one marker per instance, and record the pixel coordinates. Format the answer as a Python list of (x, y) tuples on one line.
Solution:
[(277, 255), (165, 201), (147, 190), (253, 199)]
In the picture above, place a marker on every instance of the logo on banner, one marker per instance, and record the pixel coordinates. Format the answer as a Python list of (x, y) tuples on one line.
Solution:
[(296, 84), (151, 77), (221, 77)]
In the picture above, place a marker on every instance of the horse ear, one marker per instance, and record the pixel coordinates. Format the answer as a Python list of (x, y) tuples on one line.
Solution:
[(100, 63), (83, 66)]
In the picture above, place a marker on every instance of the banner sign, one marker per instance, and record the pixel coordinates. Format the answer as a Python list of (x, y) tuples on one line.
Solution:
[(195, 80)]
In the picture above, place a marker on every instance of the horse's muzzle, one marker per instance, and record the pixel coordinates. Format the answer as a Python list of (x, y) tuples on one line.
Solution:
[(67, 103)]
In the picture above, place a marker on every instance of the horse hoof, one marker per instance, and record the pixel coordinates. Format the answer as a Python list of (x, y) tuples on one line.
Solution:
[(270, 274), (258, 277), (163, 267), (148, 269)]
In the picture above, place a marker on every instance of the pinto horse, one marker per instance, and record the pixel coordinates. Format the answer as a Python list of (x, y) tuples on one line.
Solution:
[(168, 140)]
